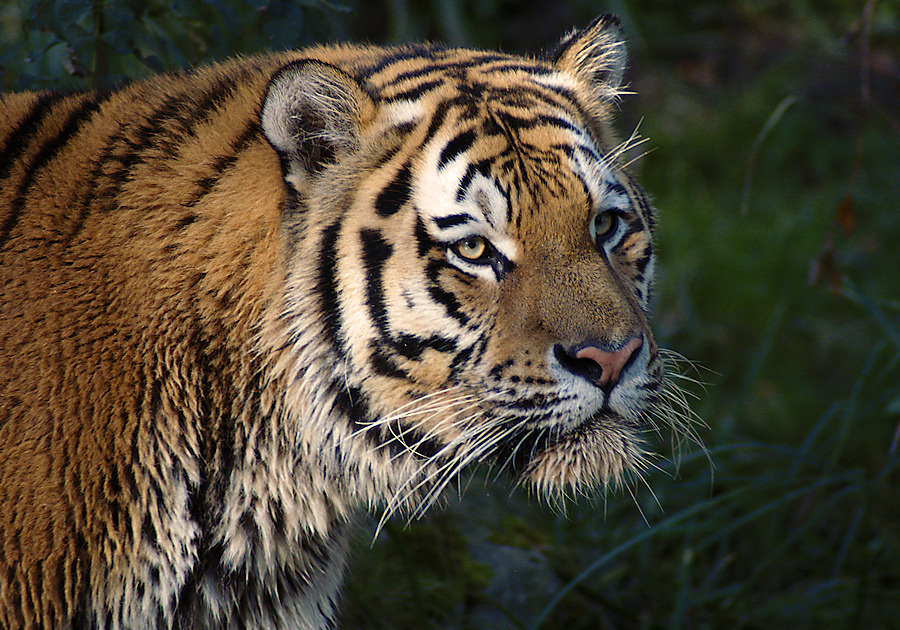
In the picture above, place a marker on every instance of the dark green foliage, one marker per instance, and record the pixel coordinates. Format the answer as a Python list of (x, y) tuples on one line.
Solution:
[(90, 42), (776, 167)]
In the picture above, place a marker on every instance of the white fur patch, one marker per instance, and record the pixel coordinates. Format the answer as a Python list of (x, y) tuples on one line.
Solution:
[(558, 81), (404, 112), (483, 203)]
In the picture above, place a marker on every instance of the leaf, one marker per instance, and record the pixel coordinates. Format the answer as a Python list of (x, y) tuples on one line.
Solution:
[(119, 41), (69, 13), (73, 64)]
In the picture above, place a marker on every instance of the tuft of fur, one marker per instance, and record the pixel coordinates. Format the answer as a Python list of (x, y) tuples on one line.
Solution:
[(241, 304)]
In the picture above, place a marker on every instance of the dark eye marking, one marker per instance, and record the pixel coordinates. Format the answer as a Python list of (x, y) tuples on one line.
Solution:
[(452, 220)]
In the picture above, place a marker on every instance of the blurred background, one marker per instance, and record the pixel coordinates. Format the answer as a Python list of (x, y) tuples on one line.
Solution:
[(774, 160)]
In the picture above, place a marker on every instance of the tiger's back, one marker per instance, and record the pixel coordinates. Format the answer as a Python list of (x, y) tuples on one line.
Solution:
[(242, 303)]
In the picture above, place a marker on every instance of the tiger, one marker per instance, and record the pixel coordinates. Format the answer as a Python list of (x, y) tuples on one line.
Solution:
[(248, 303)]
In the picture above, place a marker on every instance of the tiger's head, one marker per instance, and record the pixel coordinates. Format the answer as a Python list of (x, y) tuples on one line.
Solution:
[(478, 261)]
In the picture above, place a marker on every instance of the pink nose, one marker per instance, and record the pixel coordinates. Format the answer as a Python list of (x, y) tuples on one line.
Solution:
[(611, 363)]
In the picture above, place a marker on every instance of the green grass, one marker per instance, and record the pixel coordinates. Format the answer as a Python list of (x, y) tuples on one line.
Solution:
[(763, 174)]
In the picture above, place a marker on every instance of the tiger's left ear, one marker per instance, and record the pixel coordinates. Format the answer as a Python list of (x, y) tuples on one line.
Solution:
[(313, 113), (595, 54)]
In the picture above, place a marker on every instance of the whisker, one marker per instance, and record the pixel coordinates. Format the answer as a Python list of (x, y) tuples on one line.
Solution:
[(407, 490), (450, 470), (639, 156), (449, 424)]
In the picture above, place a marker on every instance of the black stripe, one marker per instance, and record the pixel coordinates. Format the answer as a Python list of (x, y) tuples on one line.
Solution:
[(452, 220), (514, 123), (517, 66), (460, 362), (589, 150), (641, 264), (113, 168), (437, 119), (326, 285), (451, 304), (399, 55), (376, 252), (388, 154), (482, 166), (497, 371), (17, 141), (522, 96), (224, 162), (184, 221), (616, 187), (180, 112), (49, 150), (424, 242), (643, 204), (351, 404), (78, 212), (566, 149), (464, 64), (382, 362), (461, 143), (413, 93), (508, 164), (396, 194), (525, 96), (411, 346), (549, 121), (466, 108), (188, 110)]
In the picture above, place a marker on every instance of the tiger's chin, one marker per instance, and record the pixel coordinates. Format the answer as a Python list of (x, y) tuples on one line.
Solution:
[(601, 452)]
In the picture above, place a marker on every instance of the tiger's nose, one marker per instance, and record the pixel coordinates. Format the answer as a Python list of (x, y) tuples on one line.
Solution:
[(601, 367)]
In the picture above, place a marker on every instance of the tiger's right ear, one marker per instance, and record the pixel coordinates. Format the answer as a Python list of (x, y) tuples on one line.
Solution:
[(312, 113), (596, 54)]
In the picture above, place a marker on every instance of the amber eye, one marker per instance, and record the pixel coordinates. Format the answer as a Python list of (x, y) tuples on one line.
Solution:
[(472, 248), (604, 224)]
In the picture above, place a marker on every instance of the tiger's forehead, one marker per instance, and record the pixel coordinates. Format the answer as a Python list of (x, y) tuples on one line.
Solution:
[(414, 70), (501, 157)]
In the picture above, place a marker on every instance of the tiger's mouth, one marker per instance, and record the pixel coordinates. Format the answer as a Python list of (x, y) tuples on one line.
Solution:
[(596, 452)]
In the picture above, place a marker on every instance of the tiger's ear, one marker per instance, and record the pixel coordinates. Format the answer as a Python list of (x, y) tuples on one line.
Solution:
[(595, 54), (312, 113)]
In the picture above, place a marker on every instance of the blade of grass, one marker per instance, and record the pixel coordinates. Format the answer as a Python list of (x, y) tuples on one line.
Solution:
[(662, 527), (890, 329), (773, 119), (850, 415)]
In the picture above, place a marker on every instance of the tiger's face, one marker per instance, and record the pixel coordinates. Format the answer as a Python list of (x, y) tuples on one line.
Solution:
[(487, 279)]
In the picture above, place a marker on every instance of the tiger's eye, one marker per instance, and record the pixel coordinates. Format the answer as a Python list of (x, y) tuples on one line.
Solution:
[(472, 248), (604, 224)]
